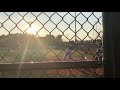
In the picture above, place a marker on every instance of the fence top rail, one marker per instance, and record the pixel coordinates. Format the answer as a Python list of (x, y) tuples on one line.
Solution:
[(26, 66)]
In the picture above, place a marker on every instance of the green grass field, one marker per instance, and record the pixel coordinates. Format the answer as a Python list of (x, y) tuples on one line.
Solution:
[(10, 56)]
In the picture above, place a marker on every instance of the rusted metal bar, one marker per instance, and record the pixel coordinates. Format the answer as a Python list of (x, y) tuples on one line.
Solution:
[(48, 66)]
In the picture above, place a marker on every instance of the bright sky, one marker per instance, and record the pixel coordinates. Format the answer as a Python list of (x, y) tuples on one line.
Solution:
[(15, 23)]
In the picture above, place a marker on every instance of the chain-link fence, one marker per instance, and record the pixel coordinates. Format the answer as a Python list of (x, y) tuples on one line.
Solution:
[(51, 44)]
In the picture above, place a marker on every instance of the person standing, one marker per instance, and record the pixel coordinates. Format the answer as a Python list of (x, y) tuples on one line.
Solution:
[(69, 51)]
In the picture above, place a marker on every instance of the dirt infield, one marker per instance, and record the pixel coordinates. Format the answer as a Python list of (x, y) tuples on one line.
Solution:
[(73, 59), (89, 71)]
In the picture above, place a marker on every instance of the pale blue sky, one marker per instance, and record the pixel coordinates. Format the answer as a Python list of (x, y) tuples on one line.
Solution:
[(66, 25)]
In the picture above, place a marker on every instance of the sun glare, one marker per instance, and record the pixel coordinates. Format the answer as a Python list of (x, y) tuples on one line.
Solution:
[(31, 30)]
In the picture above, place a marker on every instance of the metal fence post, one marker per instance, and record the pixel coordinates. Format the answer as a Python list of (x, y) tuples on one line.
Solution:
[(111, 44)]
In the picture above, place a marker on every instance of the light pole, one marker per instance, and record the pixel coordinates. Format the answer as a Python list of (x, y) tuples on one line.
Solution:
[(95, 29), (75, 27)]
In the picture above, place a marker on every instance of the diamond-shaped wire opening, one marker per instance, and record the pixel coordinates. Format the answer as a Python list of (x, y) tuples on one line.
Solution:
[(27, 56), (14, 18), (10, 56), (87, 26), (29, 17), (37, 25), (56, 18), (43, 18), (82, 34), (62, 73), (3, 17), (68, 19), (91, 18), (77, 55), (9, 25), (36, 56), (22, 26), (43, 32), (4, 55), (56, 32), (77, 27), (59, 55), (51, 55), (62, 26), (18, 57), (49, 26), (81, 19), (44, 55), (3, 75), (70, 35), (23, 55)]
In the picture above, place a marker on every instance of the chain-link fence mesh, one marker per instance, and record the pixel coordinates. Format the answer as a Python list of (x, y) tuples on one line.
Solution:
[(32, 37)]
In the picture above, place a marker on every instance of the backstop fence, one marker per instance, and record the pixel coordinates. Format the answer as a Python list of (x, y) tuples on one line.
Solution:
[(51, 45)]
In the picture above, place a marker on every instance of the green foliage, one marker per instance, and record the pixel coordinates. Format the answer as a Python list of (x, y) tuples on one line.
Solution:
[(18, 40)]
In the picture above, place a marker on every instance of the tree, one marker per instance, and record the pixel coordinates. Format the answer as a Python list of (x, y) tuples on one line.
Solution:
[(59, 41), (59, 38), (49, 40)]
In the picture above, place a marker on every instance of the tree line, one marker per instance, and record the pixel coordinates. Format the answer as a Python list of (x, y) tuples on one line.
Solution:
[(19, 40)]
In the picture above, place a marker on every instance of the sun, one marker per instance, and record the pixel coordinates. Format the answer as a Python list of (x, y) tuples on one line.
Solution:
[(31, 30)]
